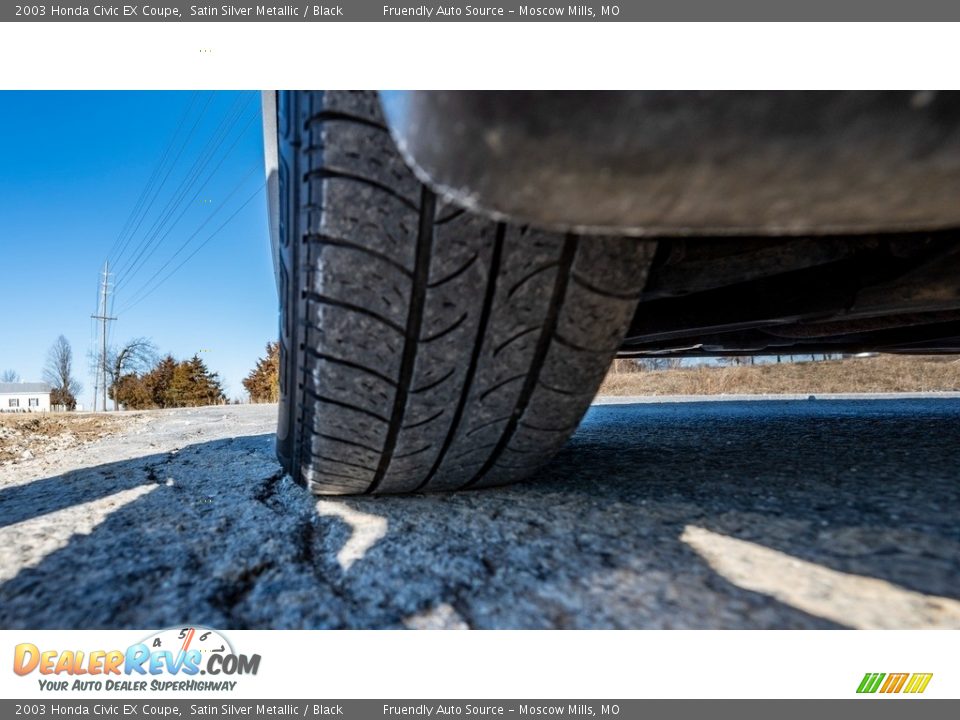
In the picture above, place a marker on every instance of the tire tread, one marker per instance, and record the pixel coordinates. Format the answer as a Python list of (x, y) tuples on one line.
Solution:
[(423, 346)]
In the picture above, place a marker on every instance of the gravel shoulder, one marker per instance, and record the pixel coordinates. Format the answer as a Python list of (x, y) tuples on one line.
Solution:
[(759, 514), (24, 436)]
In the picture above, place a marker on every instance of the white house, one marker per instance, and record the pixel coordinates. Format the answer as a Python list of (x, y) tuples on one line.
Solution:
[(24, 397)]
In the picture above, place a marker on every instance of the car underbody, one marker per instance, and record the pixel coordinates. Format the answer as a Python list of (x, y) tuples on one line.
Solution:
[(897, 293)]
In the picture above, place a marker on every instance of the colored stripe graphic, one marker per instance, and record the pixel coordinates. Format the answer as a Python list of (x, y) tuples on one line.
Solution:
[(870, 682), (918, 682), (894, 682)]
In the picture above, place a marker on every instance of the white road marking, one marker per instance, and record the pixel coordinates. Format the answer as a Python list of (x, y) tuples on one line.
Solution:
[(852, 600), (365, 530), (25, 544)]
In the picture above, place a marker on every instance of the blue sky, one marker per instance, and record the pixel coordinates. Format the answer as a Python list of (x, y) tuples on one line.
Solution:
[(73, 166)]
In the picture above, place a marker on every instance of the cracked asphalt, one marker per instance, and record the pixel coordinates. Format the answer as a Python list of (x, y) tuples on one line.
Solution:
[(714, 514)]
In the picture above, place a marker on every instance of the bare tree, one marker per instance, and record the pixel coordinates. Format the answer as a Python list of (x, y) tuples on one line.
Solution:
[(659, 363), (135, 356), (58, 372), (10, 376)]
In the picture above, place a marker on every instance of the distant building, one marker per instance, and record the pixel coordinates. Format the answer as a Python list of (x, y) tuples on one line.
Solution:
[(24, 397)]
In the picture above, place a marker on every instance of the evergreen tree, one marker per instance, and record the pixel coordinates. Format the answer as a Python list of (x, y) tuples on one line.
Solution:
[(131, 391), (159, 381), (193, 384), (170, 384), (263, 382)]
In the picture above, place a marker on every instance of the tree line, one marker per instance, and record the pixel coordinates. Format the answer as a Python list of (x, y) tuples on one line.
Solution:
[(139, 379), (169, 384), (187, 383)]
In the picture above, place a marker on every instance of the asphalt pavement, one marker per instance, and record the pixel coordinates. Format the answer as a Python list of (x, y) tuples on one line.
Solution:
[(824, 513)]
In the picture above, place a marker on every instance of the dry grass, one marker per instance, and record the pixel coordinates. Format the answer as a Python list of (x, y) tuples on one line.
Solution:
[(25, 435), (886, 373)]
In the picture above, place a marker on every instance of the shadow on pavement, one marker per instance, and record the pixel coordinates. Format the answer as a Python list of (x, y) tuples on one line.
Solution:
[(726, 515)]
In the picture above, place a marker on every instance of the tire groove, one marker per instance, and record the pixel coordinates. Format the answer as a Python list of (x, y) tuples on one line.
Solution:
[(452, 216), (485, 312), (350, 364), (567, 256), (415, 452), (472, 450), (524, 451), (318, 456), (480, 427), (326, 173), (566, 428), (532, 274), (345, 405), (327, 241), (456, 273), (446, 331), (561, 340), (423, 422), (517, 336), (587, 285), (333, 438), (497, 386), (434, 384), (324, 473), (325, 116), (418, 298), (315, 297), (561, 391)]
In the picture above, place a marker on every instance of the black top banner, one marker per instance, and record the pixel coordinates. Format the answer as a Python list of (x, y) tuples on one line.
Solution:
[(458, 11)]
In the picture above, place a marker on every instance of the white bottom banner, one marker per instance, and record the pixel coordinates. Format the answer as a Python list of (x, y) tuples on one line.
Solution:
[(198, 662)]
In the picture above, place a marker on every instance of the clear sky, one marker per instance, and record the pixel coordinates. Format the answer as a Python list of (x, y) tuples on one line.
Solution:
[(73, 166)]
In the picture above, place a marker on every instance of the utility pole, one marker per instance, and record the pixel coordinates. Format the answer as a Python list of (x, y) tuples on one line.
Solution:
[(104, 319)]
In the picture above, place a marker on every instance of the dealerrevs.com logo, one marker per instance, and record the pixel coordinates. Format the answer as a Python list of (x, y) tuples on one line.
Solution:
[(169, 660), (888, 683)]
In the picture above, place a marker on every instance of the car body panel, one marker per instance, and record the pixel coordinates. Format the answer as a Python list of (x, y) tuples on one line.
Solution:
[(690, 163)]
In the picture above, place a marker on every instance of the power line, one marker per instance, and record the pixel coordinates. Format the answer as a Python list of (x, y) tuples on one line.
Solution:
[(186, 242), (156, 241), (132, 255), (199, 164), (166, 176), (138, 205), (199, 248), (156, 193)]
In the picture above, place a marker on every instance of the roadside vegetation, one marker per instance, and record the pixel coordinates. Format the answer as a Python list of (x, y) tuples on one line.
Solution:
[(58, 373), (263, 382), (169, 384), (882, 373)]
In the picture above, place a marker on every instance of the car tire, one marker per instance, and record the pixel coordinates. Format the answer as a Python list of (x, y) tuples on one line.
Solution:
[(424, 347)]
